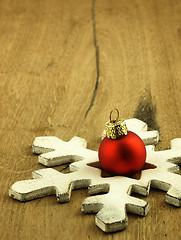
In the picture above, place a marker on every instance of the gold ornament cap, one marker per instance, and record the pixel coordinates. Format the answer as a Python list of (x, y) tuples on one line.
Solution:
[(115, 128)]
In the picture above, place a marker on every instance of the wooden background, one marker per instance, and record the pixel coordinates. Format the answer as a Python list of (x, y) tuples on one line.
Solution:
[(63, 66)]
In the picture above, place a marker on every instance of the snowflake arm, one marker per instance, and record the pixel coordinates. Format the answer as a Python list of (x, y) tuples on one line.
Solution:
[(111, 207)]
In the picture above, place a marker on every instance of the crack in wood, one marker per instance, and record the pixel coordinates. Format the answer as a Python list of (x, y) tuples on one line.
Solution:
[(97, 59)]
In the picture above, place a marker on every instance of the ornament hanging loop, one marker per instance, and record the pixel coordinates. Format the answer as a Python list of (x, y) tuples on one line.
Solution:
[(115, 128), (110, 117)]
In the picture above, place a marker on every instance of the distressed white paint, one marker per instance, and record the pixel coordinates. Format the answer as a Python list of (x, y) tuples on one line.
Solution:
[(111, 207)]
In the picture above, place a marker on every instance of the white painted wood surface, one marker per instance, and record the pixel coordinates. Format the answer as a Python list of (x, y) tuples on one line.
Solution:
[(111, 207)]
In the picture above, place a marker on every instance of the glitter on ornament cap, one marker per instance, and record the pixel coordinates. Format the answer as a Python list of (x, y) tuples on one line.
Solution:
[(115, 128)]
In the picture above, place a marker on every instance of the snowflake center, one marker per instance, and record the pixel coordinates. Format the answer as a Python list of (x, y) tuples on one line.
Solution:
[(105, 174)]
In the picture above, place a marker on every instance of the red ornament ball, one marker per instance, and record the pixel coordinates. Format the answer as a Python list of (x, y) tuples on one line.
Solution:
[(123, 156)]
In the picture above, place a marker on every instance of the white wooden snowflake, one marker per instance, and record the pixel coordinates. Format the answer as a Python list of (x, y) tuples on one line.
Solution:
[(111, 207)]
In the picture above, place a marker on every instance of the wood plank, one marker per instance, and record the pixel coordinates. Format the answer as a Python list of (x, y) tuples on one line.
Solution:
[(64, 66)]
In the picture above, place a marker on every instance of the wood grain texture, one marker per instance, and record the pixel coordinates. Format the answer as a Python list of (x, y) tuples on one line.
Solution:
[(63, 66)]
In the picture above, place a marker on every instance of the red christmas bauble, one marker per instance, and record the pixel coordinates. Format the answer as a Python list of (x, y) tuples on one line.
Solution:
[(124, 156)]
